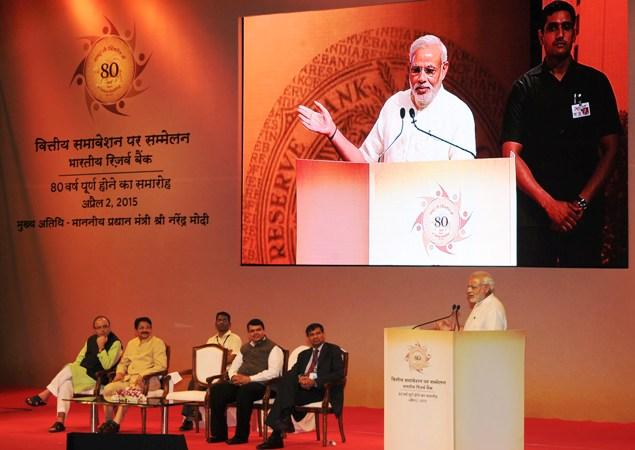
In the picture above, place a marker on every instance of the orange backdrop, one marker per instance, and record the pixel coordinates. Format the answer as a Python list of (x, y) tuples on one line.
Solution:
[(54, 280)]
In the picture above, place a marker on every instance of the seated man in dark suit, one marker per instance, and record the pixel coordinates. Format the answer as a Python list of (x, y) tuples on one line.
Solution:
[(304, 383)]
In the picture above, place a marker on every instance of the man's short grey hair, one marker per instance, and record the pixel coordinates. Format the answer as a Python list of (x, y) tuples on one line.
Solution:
[(426, 41), (485, 278)]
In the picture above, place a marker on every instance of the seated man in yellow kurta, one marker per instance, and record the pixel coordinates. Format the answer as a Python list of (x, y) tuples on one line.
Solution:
[(100, 352), (144, 355)]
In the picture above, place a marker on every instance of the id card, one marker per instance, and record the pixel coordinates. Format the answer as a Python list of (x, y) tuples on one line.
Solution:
[(580, 110)]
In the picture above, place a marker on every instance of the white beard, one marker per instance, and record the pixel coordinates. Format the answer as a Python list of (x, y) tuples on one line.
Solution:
[(423, 100)]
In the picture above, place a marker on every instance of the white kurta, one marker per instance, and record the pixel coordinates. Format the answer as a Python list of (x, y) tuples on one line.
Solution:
[(447, 117), (487, 315)]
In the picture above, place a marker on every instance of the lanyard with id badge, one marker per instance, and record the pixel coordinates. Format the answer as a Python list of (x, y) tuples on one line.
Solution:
[(578, 108)]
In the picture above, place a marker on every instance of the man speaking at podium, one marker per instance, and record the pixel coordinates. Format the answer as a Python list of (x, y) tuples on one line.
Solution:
[(423, 123), (488, 313)]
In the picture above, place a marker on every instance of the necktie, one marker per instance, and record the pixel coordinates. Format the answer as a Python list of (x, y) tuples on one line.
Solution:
[(313, 361)]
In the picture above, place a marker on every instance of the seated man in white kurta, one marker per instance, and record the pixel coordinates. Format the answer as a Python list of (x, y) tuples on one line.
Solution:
[(100, 352), (423, 123)]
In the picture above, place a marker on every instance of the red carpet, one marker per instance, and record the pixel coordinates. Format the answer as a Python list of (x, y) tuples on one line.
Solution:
[(25, 428)]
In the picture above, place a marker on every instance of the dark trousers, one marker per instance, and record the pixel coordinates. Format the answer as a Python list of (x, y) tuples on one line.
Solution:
[(540, 246), (289, 394), (190, 411), (244, 397), (543, 247)]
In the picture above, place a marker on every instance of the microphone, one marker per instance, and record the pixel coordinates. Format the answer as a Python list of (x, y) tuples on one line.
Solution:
[(411, 112), (457, 327), (402, 114), (454, 309)]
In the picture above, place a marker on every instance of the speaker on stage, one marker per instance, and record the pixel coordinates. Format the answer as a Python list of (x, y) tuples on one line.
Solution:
[(93, 441)]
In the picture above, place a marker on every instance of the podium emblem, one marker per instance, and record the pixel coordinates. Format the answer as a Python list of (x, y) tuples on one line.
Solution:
[(442, 222), (418, 357)]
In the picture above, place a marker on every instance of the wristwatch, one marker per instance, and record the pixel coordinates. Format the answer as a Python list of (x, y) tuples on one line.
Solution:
[(582, 203)]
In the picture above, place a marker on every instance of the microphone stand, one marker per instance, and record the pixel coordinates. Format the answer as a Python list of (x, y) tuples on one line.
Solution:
[(414, 122), (454, 309), (457, 327), (402, 114)]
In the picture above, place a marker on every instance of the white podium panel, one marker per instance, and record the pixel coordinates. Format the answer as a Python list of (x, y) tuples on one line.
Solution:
[(451, 213), (453, 391)]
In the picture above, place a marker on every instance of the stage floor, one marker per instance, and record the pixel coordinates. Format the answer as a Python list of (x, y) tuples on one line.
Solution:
[(25, 428)]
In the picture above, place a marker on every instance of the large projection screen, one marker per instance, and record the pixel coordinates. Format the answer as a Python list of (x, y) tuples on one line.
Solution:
[(352, 60)]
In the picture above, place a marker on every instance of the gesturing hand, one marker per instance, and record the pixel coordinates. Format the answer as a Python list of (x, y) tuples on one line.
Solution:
[(317, 121)]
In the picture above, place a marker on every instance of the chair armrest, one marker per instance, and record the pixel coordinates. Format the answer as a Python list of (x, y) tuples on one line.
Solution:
[(108, 373), (268, 390), (146, 379), (166, 379), (210, 380), (327, 390), (341, 381)]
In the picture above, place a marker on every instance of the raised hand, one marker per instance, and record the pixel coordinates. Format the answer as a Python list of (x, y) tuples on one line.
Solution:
[(317, 121)]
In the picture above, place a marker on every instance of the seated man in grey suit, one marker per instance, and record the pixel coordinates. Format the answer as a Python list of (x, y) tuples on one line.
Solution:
[(304, 383)]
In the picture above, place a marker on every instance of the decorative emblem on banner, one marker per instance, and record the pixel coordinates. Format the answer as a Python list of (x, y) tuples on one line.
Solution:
[(110, 71), (441, 223), (418, 357)]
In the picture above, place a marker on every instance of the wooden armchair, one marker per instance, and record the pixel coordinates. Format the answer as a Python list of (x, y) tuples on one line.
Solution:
[(323, 408), (263, 406), (209, 364), (158, 393)]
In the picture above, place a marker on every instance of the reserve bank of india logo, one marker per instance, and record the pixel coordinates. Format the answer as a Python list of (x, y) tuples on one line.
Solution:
[(441, 223), (352, 77), (418, 357), (110, 70)]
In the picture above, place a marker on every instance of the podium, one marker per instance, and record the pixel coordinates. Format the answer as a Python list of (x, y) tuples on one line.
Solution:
[(447, 390), (449, 213)]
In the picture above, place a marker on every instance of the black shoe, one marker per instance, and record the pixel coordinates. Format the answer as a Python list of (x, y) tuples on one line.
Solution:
[(187, 425), (34, 401), (272, 442), (235, 441), (57, 427), (109, 427), (215, 439), (284, 425)]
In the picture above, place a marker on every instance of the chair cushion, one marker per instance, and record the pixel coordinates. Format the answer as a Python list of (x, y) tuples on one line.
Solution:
[(314, 405), (154, 394), (187, 396), (305, 425)]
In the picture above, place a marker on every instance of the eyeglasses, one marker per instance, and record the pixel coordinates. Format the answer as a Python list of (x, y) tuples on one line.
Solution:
[(552, 27), (101, 327), (429, 71)]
